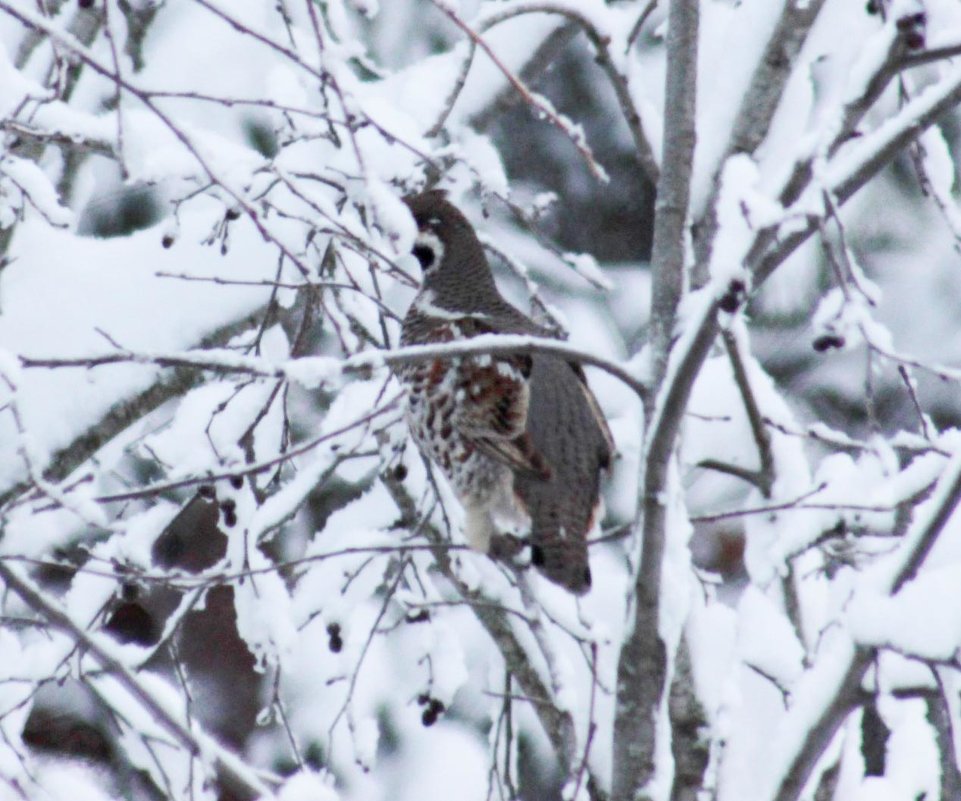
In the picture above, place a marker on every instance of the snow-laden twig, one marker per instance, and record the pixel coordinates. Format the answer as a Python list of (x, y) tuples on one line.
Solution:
[(229, 769), (87, 57), (602, 40), (557, 722), (860, 162), (121, 415), (835, 677), (313, 371), (540, 104), (760, 102)]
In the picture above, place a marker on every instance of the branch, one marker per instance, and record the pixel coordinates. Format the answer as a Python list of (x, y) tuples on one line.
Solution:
[(537, 102), (127, 411), (557, 723), (753, 120), (762, 437), (314, 370), (601, 41), (84, 55), (861, 163), (813, 726), (234, 776), (643, 666)]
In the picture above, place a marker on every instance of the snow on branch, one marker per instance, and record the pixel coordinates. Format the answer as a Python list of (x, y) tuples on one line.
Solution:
[(317, 371), (832, 686), (541, 105), (229, 769)]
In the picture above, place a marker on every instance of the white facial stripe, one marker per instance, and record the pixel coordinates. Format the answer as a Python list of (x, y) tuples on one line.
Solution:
[(424, 303), (430, 241)]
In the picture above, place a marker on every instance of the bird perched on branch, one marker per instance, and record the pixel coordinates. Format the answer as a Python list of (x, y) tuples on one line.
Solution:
[(520, 437)]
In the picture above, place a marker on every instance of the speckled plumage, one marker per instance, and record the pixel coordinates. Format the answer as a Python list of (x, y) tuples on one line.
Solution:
[(520, 438)]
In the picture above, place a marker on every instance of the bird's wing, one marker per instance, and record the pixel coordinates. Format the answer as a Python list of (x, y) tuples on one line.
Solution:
[(608, 439), (519, 454)]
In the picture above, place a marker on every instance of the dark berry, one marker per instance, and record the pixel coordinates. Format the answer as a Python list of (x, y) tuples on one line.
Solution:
[(433, 711), (828, 342), (914, 40), (232, 214), (731, 299), (230, 518), (236, 482), (335, 642), (423, 699), (400, 472), (167, 241), (207, 491)]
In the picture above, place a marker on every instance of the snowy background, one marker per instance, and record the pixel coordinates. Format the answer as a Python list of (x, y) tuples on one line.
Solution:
[(226, 572)]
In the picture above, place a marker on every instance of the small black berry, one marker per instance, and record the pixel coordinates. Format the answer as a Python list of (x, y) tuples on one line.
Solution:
[(827, 342), (914, 40), (731, 299), (335, 642)]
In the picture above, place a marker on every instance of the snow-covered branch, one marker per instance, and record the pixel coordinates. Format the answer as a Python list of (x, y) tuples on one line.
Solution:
[(317, 371), (229, 769)]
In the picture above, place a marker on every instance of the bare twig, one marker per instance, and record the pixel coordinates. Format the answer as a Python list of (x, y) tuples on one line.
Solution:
[(606, 60), (536, 102), (762, 437)]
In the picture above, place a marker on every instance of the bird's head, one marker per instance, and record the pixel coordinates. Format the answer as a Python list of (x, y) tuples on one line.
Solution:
[(449, 253)]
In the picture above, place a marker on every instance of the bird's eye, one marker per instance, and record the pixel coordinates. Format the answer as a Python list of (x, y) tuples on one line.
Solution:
[(428, 250)]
